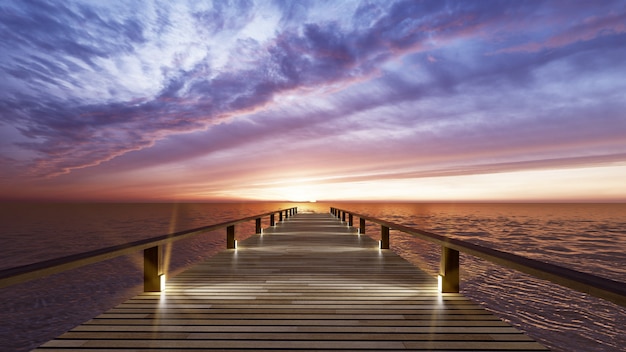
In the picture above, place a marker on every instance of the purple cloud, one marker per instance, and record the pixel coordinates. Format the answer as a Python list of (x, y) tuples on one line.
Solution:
[(86, 84)]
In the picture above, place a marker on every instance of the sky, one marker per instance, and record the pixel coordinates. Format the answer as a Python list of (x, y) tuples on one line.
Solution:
[(313, 100)]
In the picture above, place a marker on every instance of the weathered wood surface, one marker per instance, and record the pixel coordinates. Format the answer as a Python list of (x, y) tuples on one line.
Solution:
[(309, 283)]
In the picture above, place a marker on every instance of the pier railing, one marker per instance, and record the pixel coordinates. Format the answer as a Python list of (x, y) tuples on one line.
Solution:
[(152, 253), (604, 288)]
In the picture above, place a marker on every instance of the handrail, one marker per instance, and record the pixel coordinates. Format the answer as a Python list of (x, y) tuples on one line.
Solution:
[(41, 269), (604, 288)]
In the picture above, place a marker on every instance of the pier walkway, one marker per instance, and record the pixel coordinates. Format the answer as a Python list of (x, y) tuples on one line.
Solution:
[(308, 283)]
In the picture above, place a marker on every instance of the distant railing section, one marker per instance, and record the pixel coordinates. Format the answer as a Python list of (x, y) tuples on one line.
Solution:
[(607, 289), (152, 253)]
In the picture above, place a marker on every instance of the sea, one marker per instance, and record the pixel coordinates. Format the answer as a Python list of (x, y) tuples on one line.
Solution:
[(585, 237)]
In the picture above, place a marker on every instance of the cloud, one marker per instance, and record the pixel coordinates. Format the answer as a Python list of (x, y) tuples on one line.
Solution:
[(577, 31), (76, 132), (88, 84)]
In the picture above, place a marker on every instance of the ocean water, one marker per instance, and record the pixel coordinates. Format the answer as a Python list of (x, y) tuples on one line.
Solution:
[(584, 237)]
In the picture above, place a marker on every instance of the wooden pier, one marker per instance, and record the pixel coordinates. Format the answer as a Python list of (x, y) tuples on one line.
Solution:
[(310, 282)]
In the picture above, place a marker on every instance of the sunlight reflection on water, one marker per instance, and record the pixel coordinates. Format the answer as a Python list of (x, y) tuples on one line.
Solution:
[(584, 237)]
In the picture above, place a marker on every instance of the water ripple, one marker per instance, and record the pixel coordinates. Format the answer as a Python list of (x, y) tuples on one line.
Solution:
[(583, 237)]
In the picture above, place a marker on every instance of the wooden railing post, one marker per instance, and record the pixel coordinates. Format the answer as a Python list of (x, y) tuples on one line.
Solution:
[(384, 237), (151, 248), (280, 216), (449, 270), (230, 237), (601, 287), (258, 225), (350, 220), (152, 269)]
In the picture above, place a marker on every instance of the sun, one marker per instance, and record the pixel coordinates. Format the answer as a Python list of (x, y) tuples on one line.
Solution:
[(299, 194)]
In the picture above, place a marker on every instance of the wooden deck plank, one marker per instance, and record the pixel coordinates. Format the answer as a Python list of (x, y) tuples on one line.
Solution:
[(309, 283)]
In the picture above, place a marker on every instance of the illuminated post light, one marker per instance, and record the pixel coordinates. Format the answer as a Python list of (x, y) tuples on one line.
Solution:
[(449, 270), (384, 237), (235, 244), (257, 223), (439, 283), (380, 244), (230, 237), (152, 269)]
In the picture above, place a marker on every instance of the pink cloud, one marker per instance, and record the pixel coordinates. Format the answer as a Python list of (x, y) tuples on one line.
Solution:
[(345, 96), (590, 28)]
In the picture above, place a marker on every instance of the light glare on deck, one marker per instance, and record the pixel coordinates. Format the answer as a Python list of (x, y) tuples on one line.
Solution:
[(162, 282)]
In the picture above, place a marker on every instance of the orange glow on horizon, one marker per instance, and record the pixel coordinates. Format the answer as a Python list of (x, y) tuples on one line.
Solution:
[(577, 184), (583, 184)]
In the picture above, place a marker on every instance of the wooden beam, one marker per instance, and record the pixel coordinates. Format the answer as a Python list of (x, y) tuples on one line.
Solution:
[(230, 237), (152, 269), (449, 270), (384, 237)]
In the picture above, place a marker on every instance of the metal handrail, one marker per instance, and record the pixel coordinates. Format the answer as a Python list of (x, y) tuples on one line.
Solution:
[(604, 288), (24, 273)]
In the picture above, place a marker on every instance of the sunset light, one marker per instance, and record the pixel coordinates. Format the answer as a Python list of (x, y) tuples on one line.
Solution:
[(298, 172), (388, 100)]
